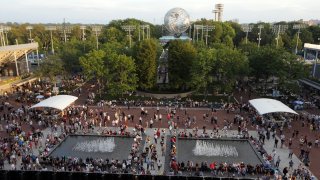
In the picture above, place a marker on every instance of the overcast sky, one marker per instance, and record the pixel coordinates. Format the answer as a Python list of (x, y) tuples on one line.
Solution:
[(153, 11)]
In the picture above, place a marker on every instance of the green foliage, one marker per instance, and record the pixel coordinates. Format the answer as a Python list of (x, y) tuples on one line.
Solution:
[(51, 68), (122, 74), (180, 60), (93, 64), (146, 59)]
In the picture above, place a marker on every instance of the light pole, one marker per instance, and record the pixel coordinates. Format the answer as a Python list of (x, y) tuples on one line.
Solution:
[(2, 36), (279, 29), (196, 30), (65, 30), (144, 27), (207, 29), (246, 28), (29, 28), (6, 29), (299, 27), (83, 29), (51, 28), (129, 29), (259, 34), (97, 30)]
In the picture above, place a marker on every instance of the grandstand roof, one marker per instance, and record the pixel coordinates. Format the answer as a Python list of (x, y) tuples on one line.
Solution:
[(7, 52)]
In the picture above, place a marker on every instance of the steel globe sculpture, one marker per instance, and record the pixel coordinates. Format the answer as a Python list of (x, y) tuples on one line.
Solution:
[(177, 21)]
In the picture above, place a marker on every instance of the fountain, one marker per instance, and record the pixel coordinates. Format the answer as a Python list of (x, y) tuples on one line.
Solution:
[(204, 148), (98, 145)]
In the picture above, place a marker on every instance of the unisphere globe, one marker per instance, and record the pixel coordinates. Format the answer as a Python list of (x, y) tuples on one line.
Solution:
[(177, 21)]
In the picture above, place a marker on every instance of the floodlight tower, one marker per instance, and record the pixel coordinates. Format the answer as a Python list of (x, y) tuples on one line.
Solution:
[(65, 31), (279, 29), (207, 29), (247, 28), (299, 27), (259, 34), (97, 30), (51, 28), (6, 29), (147, 28), (29, 28), (83, 29), (2, 38), (129, 29), (196, 30)]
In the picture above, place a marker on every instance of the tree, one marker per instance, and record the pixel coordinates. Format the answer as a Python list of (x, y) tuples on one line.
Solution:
[(181, 56), (51, 68), (265, 62), (230, 65), (201, 72), (145, 55), (122, 74), (93, 64)]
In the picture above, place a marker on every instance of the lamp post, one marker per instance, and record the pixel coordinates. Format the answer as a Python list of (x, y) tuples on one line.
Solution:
[(51, 28), (207, 29), (299, 27), (143, 28), (29, 28), (246, 28), (196, 30), (259, 34), (279, 29), (129, 29), (97, 30), (6, 29), (83, 29)]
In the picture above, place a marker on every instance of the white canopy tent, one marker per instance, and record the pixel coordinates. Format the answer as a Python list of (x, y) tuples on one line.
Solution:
[(265, 106), (58, 102)]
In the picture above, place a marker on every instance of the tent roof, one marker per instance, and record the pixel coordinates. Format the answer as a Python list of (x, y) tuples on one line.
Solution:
[(58, 102), (265, 106)]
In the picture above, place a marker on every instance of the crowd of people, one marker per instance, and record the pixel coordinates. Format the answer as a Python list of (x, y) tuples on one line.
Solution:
[(23, 127)]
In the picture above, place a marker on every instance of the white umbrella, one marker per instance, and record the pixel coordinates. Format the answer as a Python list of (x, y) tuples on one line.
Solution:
[(39, 96)]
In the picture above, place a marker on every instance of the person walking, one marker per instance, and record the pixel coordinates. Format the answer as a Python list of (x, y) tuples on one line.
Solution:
[(276, 142), (278, 162), (291, 164)]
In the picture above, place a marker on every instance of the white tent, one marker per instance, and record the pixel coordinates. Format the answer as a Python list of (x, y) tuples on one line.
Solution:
[(58, 102), (265, 106)]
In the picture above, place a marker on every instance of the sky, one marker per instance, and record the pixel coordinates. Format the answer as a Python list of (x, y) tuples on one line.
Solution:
[(153, 11)]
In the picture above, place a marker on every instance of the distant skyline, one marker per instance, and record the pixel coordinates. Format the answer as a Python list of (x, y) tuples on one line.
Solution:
[(153, 11)]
